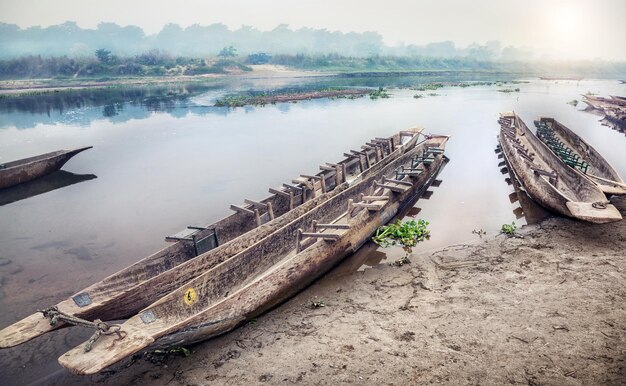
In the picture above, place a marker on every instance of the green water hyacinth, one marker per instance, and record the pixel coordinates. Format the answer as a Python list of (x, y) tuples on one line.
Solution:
[(407, 234)]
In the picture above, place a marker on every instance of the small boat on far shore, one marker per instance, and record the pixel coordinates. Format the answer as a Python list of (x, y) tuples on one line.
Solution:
[(578, 154), (28, 169), (547, 179), (577, 78)]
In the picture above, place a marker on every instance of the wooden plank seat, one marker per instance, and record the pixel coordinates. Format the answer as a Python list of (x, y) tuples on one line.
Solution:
[(552, 176), (375, 198), (393, 188), (434, 150), (204, 239)]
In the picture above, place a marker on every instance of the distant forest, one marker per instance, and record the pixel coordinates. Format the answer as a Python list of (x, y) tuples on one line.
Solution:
[(69, 39), (68, 51)]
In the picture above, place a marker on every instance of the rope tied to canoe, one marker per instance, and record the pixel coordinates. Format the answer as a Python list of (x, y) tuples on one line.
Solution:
[(600, 204), (100, 327)]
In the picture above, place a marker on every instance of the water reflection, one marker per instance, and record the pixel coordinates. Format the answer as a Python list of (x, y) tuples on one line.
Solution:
[(112, 98), (52, 181), (529, 210), (122, 103)]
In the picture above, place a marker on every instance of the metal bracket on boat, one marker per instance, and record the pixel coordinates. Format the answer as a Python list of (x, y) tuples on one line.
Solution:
[(82, 299), (200, 244), (600, 204), (147, 317)]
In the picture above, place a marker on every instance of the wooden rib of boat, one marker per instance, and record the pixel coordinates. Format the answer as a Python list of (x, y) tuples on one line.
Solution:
[(273, 269), (577, 153), (547, 179), (124, 293), (27, 169)]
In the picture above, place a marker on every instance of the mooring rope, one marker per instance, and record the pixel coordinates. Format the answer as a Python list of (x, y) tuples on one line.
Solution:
[(100, 327)]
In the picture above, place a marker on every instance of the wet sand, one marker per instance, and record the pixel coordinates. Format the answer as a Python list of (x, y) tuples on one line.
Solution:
[(544, 307)]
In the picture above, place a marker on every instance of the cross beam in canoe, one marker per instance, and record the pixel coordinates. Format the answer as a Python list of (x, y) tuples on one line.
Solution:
[(317, 226), (325, 236), (393, 188), (294, 188), (388, 141), (282, 193), (524, 155), (368, 206), (305, 185), (321, 179), (405, 183), (261, 205), (375, 198), (337, 170), (364, 154), (241, 209)]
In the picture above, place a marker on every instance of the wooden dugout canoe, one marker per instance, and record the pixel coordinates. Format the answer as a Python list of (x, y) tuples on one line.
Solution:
[(27, 169), (126, 292), (548, 180), (273, 269), (578, 153)]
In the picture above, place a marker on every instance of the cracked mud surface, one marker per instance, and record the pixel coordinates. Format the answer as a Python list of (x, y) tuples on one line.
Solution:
[(545, 308)]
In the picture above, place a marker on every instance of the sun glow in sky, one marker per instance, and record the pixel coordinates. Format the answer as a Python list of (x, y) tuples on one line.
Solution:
[(572, 29)]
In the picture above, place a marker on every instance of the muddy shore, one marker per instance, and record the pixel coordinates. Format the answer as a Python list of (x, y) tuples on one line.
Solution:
[(23, 86), (547, 307)]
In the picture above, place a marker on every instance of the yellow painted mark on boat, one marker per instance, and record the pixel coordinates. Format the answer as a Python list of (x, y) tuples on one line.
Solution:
[(190, 296)]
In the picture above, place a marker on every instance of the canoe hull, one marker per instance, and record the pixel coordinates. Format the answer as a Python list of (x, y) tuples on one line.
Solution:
[(574, 190), (126, 292), (290, 279), (600, 167), (252, 282), (19, 172)]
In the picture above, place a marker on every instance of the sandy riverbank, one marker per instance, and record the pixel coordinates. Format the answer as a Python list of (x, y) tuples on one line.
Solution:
[(545, 308), (21, 86)]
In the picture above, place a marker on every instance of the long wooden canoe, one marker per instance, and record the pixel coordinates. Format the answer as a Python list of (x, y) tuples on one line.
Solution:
[(547, 179), (577, 153), (27, 169), (124, 293), (271, 270)]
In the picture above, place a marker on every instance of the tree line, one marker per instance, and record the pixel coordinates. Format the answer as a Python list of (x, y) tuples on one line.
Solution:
[(105, 63)]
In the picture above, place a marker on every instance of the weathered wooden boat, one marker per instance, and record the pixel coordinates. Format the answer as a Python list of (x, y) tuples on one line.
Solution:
[(271, 270), (198, 249), (27, 169), (578, 154), (547, 179), (601, 103)]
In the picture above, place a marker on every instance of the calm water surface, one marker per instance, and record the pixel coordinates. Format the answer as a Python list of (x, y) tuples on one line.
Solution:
[(159, 165)]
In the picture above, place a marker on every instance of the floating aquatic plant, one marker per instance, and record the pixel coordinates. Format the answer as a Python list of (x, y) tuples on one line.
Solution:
[(407, 234)]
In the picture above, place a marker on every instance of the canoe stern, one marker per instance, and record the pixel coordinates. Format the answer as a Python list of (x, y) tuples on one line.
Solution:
[(596, 213)]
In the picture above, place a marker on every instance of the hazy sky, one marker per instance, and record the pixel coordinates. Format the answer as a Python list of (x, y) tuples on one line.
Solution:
[(566, 29)]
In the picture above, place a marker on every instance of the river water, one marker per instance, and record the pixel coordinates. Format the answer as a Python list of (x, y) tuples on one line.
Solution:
[(165, 160)]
